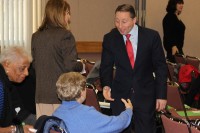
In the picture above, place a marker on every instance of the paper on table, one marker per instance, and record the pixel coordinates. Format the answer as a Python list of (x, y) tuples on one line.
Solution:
[(104, 105)]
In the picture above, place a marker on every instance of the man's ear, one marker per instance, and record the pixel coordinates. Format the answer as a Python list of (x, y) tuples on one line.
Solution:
[(135, 20)]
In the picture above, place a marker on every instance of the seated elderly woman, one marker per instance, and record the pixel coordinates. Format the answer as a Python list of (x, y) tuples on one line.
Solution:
[(14, 64), (80, 118)]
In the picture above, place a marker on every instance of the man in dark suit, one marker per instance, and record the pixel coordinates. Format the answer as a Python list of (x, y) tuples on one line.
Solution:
[(145, 82)]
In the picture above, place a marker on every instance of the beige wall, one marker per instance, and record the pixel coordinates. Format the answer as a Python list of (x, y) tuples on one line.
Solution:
[(91, 19), (190, 17)]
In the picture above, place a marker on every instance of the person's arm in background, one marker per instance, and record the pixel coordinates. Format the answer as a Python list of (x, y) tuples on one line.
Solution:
[(160, 69)]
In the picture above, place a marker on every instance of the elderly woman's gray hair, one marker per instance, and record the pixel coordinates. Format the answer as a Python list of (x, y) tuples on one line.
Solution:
[(14, 52), (70, 85)]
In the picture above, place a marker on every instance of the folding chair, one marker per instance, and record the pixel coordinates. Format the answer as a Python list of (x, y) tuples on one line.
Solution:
[(91, 97), (194, 61), (179, 109), (175, 125), (175, 100), (173, 96)]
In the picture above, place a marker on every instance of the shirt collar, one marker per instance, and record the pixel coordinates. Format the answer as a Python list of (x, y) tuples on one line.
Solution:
[(133, 32)]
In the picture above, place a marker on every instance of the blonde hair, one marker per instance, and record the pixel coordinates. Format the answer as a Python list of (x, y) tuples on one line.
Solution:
[(13, 53), (55, 11), (70, 85)]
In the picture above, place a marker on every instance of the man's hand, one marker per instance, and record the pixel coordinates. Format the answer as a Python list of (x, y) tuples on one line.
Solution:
[(107, 93), (127, 103), (160, 104)]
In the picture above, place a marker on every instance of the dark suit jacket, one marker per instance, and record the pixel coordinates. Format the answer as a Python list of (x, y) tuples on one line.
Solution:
[(139, 83)]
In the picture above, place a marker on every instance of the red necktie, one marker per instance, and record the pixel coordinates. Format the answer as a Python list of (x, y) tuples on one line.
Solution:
[(129, 49)]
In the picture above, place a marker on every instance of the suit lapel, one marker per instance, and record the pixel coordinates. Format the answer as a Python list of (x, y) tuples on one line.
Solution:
[(141, 42), (120, 43)]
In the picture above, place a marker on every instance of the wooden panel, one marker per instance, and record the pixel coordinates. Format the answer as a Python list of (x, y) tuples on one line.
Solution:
[(89, 47)]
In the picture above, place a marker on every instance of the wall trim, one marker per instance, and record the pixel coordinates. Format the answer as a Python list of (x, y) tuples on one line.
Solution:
[(89, 46)]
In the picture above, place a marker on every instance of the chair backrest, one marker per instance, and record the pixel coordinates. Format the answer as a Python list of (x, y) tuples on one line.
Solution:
[(180, 59), (194, 61), (88, 66), (172, 125), (91, 97), (174, 97), (172, 71)]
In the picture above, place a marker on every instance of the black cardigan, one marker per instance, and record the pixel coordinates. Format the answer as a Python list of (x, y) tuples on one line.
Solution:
[(174, 31), (11, 101)]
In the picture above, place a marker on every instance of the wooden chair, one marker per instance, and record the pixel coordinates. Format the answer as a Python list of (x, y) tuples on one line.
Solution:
[(180, 59), (194, 61), (174, 125), (91, 97)]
